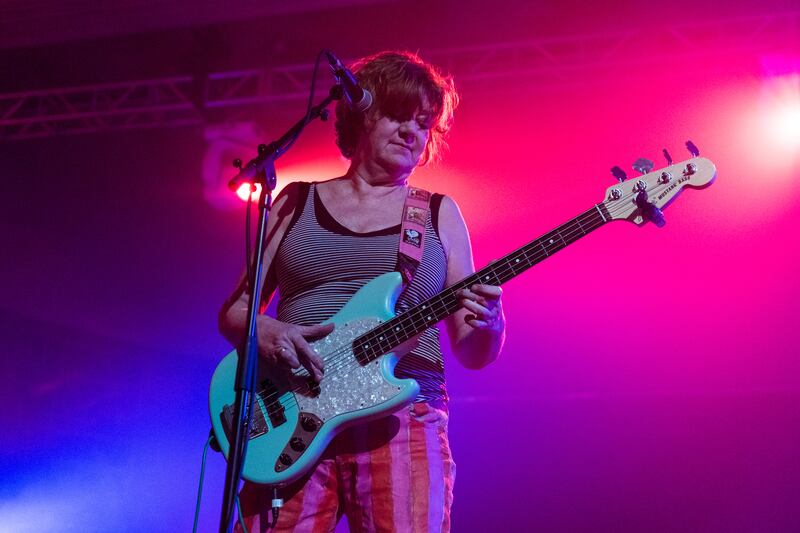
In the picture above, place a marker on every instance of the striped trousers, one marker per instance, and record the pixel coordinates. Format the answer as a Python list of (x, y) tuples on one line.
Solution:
[(391, 475)]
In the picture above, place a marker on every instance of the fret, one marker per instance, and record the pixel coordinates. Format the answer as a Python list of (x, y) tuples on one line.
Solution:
[(519, 260), (550, 243), (507, 268), (527, 259), (560, 236), (598, 206), (387, 336), (574, 233), (489, 277), (546, 253), (512, 265)]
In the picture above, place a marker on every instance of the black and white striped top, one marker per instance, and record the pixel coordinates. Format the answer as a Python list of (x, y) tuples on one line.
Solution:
[(320, 265)]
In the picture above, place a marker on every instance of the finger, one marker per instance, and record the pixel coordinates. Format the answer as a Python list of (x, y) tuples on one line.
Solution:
[(469, 295), (475, 323), (319, 330), (489, 291), (287, 356), (480, 311), (311, 360)]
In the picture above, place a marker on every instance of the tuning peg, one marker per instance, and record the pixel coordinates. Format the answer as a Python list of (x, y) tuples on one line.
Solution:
[(237, 163), (642, 165), (692, 148), (667, 156), (618, 173)]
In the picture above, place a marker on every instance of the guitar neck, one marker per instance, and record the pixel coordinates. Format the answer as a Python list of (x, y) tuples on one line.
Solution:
[(390, 334)]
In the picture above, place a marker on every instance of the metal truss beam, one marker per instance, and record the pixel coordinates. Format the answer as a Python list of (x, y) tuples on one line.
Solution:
[(546, 62)]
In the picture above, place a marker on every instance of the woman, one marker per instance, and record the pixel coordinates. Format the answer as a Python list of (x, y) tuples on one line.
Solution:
[(325, 241)]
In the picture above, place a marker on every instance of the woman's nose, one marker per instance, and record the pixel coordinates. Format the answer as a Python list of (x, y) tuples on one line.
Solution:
[(406, 131)]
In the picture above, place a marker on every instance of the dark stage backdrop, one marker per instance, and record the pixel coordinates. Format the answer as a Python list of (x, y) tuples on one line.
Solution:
[(650, 378)]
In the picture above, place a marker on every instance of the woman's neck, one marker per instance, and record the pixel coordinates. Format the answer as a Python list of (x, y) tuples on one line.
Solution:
[(367, 181)]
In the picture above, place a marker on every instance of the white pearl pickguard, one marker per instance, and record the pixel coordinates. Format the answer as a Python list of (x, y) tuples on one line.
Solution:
[(347, 386)]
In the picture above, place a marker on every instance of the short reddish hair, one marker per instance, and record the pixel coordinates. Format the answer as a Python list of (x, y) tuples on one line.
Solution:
[(400, 83)]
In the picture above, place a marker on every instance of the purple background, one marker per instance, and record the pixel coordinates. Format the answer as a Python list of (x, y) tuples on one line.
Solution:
[(650, 379)]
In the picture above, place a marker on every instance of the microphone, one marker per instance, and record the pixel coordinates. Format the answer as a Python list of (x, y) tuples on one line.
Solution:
[(358, 99)]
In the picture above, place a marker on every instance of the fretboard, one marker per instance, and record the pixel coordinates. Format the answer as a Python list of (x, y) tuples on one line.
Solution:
[(385, 337)]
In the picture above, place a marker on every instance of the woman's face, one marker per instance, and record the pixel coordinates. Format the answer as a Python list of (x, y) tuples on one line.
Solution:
[(396, 144)]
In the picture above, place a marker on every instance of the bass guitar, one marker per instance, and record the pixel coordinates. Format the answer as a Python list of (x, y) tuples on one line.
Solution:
[(294, 417)]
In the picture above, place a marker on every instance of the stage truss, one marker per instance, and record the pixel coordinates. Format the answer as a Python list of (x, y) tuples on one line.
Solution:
[(546, 62)]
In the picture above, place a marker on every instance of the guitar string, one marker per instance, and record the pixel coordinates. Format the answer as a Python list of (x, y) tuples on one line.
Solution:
[(340, 357), (343, 362), (443, 302)]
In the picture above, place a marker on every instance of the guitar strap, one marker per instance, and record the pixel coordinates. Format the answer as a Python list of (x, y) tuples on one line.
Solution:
[(416, 211)]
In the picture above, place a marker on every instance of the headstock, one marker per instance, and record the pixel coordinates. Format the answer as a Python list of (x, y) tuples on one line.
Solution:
[(641, 199)]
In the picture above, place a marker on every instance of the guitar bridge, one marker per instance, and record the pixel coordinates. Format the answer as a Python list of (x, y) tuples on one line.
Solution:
[(258, 425)]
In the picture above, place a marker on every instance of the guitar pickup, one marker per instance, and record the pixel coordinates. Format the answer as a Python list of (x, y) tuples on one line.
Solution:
[(258, 425), (275, 409)]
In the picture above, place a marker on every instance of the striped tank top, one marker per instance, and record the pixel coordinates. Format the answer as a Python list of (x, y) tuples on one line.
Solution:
[(320, 264)]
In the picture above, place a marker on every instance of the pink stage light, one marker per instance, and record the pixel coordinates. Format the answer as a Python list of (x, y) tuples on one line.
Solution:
[(780, 104), (782, 118)]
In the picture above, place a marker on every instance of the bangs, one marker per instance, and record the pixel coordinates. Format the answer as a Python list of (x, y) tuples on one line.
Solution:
[(402, 98)]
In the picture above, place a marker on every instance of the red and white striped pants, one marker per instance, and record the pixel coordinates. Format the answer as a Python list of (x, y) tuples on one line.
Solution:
[(391, 475)]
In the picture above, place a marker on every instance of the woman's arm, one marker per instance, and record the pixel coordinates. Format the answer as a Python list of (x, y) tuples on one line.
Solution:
[(477, 330), (278, 342)]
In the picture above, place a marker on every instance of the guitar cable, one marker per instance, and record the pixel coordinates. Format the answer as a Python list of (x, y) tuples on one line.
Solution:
[(277, 503), (200, 486)]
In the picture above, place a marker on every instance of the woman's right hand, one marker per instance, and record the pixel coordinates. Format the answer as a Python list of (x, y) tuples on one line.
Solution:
[(285, 345)]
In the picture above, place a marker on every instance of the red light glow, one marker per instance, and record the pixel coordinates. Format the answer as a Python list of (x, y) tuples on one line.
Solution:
[(244, 190)]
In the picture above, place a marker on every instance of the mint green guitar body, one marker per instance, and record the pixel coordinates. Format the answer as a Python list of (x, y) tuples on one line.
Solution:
[(288, 438)]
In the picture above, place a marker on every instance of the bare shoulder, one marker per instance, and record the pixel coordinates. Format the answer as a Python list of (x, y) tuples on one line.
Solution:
[(283, 209), (332, 187), (287, 199), (452, 227)]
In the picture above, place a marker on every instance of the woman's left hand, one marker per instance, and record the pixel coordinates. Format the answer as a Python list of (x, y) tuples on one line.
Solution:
[(483, 302)]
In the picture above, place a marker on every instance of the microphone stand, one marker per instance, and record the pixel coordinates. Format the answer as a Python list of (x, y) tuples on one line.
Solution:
[(260, 170)]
